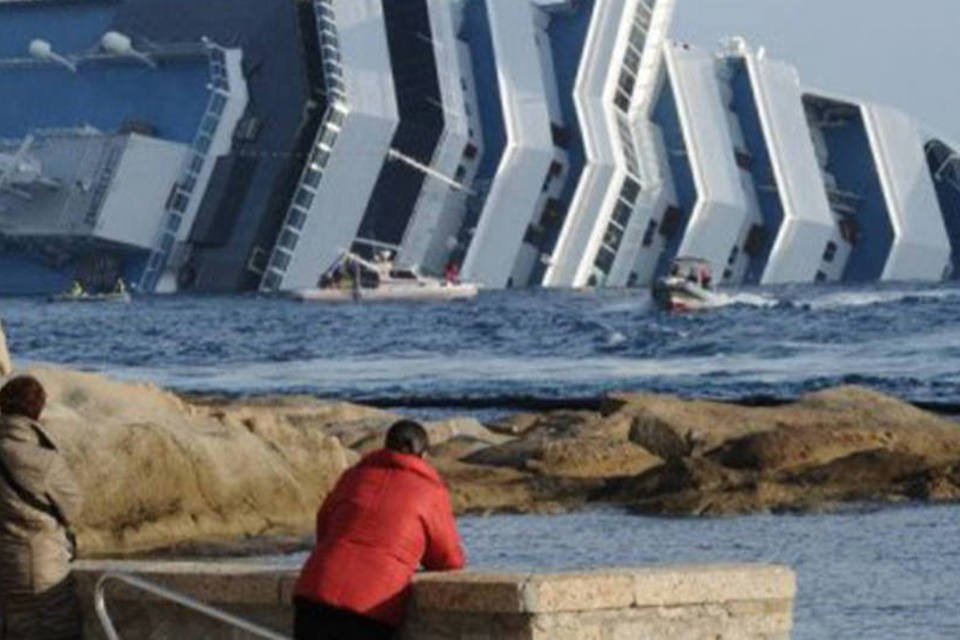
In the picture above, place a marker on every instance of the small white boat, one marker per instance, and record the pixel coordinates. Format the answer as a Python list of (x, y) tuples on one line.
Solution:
[(355, 279), (688, 288)]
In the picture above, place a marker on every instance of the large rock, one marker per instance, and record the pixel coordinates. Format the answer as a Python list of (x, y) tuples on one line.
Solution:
[(842, 445), (673, 428), (157, 471)]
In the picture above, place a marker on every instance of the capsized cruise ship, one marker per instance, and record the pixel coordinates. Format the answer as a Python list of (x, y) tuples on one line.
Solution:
[(244, 145)]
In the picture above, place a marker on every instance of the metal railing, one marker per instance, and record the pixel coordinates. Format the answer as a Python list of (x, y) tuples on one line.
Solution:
[(100, 604)]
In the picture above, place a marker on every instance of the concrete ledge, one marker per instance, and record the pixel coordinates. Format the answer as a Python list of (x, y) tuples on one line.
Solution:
[(604, 589), (737, 601), (713, 583)]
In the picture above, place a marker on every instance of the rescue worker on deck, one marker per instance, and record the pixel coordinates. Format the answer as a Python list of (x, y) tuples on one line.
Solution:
[(386, 517)]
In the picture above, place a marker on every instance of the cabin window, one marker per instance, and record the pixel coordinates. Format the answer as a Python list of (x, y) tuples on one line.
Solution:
[(288, 239), (312, 179), (622, 101), (649, 233), (755, 241), (849, 231), (335, 118), (830, 252), (272, 281), (202, 144), (297, 218), (605, 259), (217, 103), (304, 198), (621, 215), (613, 237), (630, 191), (403, 274), (329, 138), (744, 159), (627, 82), (551, 211), (320, 157), (281, 260), (671, 222), (560, 135)]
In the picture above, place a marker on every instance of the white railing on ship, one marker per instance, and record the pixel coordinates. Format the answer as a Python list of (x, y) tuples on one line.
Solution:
[(164, 593)]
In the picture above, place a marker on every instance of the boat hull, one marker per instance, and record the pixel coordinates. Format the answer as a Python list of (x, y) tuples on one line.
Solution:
[(680, 295), (414, 293)]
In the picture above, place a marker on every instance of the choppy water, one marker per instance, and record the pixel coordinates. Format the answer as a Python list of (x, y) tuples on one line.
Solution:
[(893, 573), (546, 344)]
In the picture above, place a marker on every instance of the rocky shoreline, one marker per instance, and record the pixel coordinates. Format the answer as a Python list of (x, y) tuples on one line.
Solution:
[(166, 472)]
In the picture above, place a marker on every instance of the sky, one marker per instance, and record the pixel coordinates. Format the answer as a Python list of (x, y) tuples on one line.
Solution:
[(904, 53)]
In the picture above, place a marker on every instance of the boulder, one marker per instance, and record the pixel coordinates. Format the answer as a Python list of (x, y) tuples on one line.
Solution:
[(841, 445), (157, 471), (672, 427)]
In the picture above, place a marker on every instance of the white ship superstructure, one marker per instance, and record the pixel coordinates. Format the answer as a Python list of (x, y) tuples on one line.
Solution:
[(519, 143), (350, 148)]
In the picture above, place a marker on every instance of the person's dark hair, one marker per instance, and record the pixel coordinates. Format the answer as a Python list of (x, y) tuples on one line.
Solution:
[(407, 436), (23, 396)]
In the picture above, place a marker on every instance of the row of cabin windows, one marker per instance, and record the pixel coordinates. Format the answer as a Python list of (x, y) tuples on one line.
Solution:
[(613, 235), (330, 47), (630, 65), (304, 197)]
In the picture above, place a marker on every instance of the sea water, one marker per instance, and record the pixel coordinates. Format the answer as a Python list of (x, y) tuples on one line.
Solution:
[(892, 572), (878, 573), (901, 340)]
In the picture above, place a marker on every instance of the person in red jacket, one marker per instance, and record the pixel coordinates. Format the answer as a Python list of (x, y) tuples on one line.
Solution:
[(387, 516)]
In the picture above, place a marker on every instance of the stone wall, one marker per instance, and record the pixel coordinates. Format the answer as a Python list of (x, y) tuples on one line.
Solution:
[(723, 601)]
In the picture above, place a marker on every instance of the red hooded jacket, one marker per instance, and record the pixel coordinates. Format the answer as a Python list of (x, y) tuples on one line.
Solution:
[(387, 515)]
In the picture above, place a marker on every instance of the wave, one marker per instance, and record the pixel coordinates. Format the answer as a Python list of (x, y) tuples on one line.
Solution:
[(853, 299)]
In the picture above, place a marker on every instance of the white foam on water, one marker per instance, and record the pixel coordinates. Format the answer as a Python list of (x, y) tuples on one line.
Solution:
[(870, 298), (753, 300)]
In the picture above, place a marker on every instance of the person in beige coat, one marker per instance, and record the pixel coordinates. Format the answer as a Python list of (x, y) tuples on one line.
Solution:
[(6, 366), (39, 497)]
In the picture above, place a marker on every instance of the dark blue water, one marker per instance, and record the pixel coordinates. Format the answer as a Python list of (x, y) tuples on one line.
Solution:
[(891, 573), (549, 344)]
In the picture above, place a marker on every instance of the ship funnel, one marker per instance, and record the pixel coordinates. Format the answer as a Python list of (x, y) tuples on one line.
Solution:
[(43, 50), (121, 45)]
